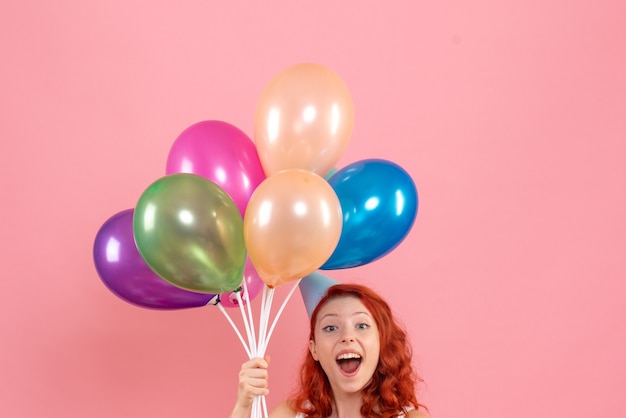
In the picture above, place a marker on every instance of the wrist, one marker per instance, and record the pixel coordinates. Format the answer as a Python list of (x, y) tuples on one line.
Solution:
[(241, 411)]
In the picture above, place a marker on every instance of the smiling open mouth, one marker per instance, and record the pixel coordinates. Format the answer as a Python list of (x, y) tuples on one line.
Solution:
[(349, 362)]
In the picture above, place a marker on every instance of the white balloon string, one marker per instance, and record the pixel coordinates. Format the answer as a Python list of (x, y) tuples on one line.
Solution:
[(250, 316), (255, 407), (261, 313), (265, 318), (263, 323), (256, 348), (265, 315), (232, 324), (264, 403), (259, 407), (280, 311), (251, 343)]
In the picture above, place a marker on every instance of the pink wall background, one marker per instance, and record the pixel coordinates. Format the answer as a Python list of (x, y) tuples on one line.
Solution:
[(509, 115)]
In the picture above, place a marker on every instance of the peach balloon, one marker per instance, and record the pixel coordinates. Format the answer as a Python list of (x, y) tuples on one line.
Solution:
[(292, 225), (304, 119)]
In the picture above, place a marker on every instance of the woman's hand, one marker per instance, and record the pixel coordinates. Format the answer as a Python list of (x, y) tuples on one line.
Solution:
[(253, 378)]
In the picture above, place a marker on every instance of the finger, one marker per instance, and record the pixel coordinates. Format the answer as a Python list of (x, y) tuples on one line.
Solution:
[(254, 386), (258, 362), (260, 374)]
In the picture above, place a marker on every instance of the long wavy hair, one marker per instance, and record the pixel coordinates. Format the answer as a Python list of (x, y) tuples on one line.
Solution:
[(392, 387)]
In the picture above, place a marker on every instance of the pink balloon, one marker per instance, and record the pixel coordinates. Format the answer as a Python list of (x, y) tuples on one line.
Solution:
[(221, 153), (254, 284)]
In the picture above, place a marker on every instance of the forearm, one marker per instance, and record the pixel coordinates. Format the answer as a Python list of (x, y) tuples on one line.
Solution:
[(240, 411)]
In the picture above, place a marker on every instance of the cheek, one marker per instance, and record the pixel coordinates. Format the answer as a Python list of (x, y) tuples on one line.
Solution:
[(374, 346), (323, 349)]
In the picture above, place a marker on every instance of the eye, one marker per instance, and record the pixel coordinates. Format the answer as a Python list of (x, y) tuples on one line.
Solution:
[(329, 328), (363, 326)]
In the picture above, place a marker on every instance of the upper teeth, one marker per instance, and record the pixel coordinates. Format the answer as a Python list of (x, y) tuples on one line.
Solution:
[(346, 356)]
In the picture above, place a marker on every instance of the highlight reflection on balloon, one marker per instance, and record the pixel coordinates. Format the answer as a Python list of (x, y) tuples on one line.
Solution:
[(379, 204), (125, 273), (304, 119)]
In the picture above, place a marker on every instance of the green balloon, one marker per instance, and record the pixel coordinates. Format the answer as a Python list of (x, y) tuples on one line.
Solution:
[(190, 232)]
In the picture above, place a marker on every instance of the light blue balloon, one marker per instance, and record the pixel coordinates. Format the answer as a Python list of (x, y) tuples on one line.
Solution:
[(379, 203)]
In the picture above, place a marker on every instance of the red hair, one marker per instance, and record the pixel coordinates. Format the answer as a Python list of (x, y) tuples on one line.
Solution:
[(392, 387)]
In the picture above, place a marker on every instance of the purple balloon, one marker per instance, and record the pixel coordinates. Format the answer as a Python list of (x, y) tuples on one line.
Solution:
[(221, 153), (126, 274)]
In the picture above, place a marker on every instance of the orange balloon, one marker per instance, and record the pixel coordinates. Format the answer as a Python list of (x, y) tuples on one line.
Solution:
[(304, 119), (292, 225)]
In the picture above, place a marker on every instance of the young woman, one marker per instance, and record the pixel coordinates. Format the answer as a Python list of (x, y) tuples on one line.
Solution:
[(358, 365)]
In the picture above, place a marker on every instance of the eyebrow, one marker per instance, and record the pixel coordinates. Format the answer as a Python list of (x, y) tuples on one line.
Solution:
[(354, 314)]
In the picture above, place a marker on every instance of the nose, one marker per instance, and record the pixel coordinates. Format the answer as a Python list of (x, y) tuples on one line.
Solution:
[(347, 339)]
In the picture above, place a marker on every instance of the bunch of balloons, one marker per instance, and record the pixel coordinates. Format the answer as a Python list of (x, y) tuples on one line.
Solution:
[(231, 212)]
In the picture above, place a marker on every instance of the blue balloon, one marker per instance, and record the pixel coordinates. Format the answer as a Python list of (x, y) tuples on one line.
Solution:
[(379, 203)]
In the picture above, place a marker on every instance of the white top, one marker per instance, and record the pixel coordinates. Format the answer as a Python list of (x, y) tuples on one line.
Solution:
[(301, 415)]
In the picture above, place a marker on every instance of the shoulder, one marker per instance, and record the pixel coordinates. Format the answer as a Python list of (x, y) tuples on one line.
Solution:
[(416, 414), (283, 410)]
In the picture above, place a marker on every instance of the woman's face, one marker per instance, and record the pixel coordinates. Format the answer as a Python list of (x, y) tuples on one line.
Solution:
[(346, 343)]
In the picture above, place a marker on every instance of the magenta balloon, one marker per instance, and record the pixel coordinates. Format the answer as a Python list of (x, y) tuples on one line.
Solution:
[(221, 153), (254, 284), (126, 274)]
